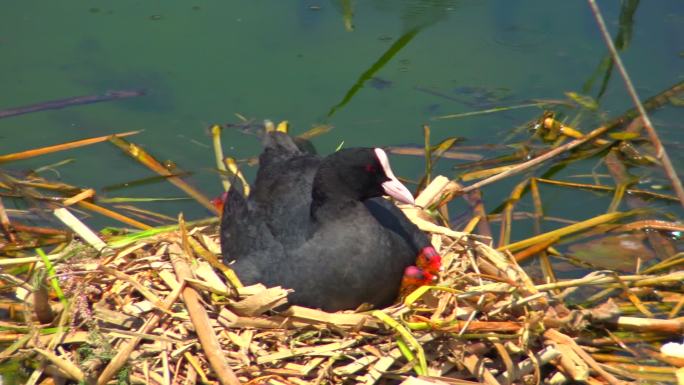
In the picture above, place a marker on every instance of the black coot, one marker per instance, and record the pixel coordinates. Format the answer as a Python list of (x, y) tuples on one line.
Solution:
[(319, 226)]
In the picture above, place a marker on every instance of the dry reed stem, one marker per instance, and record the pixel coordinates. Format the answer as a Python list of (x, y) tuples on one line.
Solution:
[(137, 153), (85, 194), (477, 368), (527, 366), (597, 279), (218, 153), (561, 338), (573, 364), (67, 366), (634, 191), (565, 231), (512, 170), (199, 317), (661, 153), (653, 325), (5, 224), (114, 215), (80, 228), (61, 147)]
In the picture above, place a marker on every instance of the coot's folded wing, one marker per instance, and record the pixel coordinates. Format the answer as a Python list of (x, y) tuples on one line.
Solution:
[(282, 189), (393, 219)]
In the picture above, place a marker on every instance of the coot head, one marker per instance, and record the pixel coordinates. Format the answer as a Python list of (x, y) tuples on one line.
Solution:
[(413, 278), (358, 174), (429, 260)]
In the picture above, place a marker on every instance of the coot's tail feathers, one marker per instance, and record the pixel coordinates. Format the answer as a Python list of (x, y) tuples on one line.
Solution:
[(234, 222), (245, 237), (278, 147), (305, 145)]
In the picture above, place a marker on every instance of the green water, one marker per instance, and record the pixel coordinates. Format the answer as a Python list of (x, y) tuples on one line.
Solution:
[(203, 62)]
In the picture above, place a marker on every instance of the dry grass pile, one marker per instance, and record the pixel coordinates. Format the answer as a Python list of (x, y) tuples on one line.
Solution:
[(161, 309)]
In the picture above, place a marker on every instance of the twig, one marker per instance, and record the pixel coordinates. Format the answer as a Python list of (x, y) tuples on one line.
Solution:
[(661, 154), (200, 319)]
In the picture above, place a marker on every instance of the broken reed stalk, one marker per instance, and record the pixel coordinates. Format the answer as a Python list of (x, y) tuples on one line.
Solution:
[(60, 147), (507, 214), (73, 371), (198, 315), (565, 231), (114, 215), (561, 338), (633, 191), (661, 153), (139, 154), (5, 223), (218, 152), (493, 110), (205, 332), (597, 278), (428, 155), (545, 263), (538, 160)]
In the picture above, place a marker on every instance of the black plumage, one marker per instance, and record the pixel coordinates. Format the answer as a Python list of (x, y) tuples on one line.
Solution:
[(320, 226)]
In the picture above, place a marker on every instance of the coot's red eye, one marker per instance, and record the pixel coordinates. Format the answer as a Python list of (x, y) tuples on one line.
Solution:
[(370, 168)]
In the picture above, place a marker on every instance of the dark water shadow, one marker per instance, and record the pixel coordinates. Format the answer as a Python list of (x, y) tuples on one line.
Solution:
[(96, 74)]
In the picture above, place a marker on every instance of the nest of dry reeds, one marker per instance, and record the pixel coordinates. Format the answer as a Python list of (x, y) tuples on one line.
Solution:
[(161, 309)]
